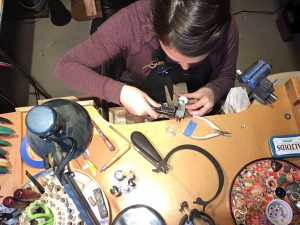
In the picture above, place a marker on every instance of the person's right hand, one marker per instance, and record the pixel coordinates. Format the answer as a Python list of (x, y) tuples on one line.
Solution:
[(138, 102)]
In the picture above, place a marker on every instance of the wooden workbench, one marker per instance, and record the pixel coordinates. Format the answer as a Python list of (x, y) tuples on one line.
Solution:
[(191, 175)]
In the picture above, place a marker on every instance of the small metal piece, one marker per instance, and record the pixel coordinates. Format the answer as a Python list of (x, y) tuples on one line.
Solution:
[(92, 201), (180, 112), (222, 132), (244, 126), (115, 191), (295, 196), (119, 175), (183, 205), (287, 116), (131, 182), (239, 72)]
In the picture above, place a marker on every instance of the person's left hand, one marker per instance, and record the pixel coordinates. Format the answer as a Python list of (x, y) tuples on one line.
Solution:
[(204, 101)]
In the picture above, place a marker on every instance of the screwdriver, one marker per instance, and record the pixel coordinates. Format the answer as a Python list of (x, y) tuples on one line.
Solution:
[(26, 195)]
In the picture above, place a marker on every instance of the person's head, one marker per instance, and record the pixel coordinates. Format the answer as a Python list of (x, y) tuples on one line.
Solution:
[(189, 29)]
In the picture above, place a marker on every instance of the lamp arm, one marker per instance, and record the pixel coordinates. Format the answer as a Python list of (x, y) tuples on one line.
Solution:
[(71, 187)]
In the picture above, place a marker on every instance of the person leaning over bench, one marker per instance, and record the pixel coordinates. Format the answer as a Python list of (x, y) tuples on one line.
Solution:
[(198, 38)]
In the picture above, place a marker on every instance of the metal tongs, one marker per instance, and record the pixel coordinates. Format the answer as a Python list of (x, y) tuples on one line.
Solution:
[(167, 111)]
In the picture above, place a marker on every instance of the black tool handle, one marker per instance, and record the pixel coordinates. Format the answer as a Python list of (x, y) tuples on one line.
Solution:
[(142, 144)]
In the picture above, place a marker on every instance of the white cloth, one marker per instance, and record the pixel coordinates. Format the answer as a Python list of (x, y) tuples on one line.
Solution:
[(236, 101)]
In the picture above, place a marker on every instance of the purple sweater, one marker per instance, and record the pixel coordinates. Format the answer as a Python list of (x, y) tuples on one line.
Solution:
[(129, 32)]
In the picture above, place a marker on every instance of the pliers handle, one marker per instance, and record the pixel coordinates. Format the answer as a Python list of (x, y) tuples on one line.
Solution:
[(217, 130)]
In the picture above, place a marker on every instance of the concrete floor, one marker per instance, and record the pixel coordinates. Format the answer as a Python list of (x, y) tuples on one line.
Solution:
[(38, 45)]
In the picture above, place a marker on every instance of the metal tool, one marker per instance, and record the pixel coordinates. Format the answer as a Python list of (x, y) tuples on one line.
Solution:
[(4, 143), (47, 214), (8, 216), (256, 78), (5, 121), (5, 131), (217, 130), (108, 143), (121, 135), (116, 157), (168, 111), (146, 149), (35, 182)]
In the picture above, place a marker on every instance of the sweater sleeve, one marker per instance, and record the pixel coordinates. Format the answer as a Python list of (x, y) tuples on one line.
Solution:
[(223, 61), (75, 69)]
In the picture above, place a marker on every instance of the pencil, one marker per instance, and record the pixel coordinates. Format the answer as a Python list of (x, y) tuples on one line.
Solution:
[(115, 157)]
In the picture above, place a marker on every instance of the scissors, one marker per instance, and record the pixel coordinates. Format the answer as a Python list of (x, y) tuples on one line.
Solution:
[(46, 216), (217, 130)]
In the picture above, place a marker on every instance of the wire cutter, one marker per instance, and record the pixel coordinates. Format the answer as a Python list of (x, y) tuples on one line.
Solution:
[(217, 130)]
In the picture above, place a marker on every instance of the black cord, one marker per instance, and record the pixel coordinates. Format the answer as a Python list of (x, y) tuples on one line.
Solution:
[(259, 12), (68, 158), (28, 77)]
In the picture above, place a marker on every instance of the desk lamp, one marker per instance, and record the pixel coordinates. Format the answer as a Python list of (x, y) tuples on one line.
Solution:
[(59, 131)]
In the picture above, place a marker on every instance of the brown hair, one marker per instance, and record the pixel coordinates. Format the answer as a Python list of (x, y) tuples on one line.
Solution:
[(193, 27)]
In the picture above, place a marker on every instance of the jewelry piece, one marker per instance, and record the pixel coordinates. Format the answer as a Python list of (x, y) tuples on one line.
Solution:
[(240, 218), (295, 196), (238, 201), (271, 183), (279, 212)]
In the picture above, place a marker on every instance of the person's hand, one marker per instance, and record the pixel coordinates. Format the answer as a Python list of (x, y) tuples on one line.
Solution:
[(138, 102), (204, 101)]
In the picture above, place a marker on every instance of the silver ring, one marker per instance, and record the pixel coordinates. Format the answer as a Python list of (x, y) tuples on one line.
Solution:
[(295, 196)]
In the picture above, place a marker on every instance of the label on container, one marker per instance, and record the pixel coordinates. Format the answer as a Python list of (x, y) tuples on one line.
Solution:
[(285, 146)]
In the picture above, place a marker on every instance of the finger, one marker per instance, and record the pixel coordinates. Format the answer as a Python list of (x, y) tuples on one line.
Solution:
[(192, 95), (202, 111), (200, 103), (131, 111), (152, 113), (152, 102)]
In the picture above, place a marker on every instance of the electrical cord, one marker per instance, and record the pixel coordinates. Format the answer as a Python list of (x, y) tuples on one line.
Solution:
[(68, 158), (23, 4), (259, 12), (37, 87)]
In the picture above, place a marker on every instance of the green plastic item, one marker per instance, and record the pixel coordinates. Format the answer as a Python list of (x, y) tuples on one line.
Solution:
[(2, 151), (47, 215), (3, 170), (4, 143), (6, 131)]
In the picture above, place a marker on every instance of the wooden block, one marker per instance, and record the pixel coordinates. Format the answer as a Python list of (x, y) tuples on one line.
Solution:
[(78, 10), (90, 7), (293, 92)]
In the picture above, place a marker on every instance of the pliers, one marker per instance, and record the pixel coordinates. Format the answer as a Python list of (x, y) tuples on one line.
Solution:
[(217, 130), (5, 121), (5, 131)]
